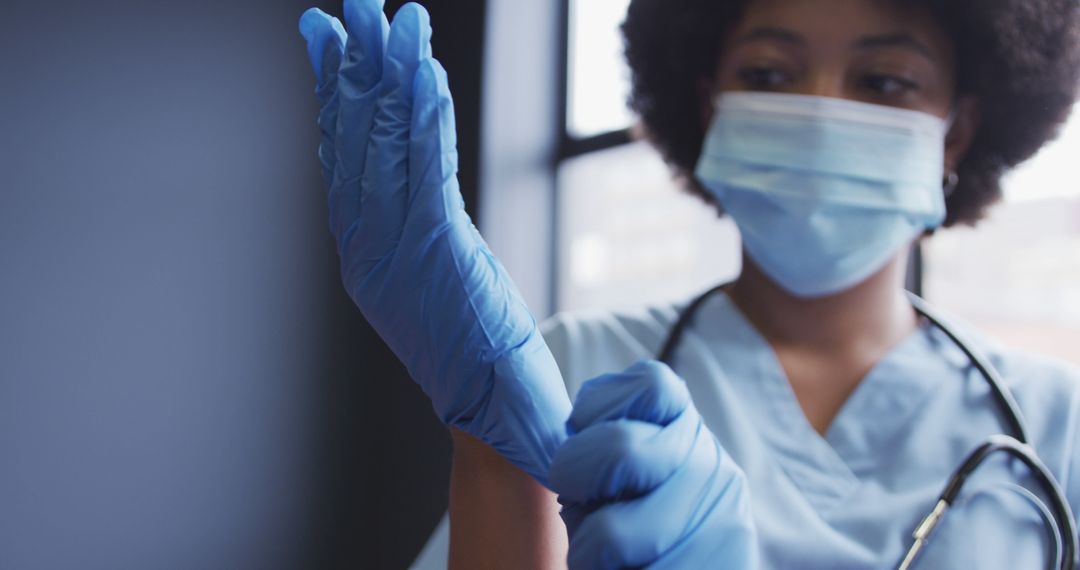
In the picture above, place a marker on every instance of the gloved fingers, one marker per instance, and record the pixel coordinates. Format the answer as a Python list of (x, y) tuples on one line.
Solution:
[(719, 543), (368, 29), (647, 391), (384, 198), (621, 459), (433, 158), (323, 33), (358, 81), (725, 535), (326, 39), (642, 531)]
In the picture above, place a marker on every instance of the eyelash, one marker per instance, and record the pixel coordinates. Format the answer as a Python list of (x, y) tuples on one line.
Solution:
[(764, 78), (755, 78), (874, 82)]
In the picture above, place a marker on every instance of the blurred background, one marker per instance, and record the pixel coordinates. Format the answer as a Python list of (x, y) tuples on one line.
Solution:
[(184, 383)]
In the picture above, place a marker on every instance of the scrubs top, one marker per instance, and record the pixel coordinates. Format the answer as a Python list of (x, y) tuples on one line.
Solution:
[(851, 498)]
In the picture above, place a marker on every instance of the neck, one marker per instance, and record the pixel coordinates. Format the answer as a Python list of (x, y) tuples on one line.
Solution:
[(872, 315)]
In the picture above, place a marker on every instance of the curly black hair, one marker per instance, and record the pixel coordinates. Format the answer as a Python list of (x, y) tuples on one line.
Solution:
[(1020, 59)]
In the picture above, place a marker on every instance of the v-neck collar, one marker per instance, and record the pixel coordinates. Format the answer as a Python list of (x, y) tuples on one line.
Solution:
[(826, 469)]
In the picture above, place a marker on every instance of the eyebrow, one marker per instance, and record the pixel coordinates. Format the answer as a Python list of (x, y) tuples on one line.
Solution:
[(900, 40), (897, 40), (776, 34)]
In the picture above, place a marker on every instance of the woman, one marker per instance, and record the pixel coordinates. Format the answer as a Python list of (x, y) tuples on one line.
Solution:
[(836, 133)]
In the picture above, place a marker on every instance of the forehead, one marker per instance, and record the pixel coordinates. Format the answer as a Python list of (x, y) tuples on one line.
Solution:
[(840, 23)]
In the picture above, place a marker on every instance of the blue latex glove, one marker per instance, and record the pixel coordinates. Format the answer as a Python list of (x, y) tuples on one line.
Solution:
[(643, 482), (411, 258)]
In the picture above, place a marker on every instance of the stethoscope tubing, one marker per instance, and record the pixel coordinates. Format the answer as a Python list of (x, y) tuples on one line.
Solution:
[(1017, 444)]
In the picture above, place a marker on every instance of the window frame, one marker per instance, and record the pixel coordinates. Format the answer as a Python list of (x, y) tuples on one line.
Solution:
[(571, 146)]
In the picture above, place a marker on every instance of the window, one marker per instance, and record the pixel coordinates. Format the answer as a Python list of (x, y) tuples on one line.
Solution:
[(1017, 276), (626, 235), (598, 80)]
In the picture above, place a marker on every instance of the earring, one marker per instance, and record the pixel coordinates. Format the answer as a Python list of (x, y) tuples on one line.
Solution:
[(950, 182)]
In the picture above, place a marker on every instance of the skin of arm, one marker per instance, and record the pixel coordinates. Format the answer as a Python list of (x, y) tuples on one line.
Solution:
[(500, 517)]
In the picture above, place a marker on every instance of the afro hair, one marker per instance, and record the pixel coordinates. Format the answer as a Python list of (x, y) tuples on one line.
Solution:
[(1020, 59)]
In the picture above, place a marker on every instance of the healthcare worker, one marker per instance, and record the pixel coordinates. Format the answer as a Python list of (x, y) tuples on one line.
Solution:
[(807, 416)]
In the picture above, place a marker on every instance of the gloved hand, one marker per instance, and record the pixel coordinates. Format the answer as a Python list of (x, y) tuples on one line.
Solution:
[(643, 482), (411, 258)]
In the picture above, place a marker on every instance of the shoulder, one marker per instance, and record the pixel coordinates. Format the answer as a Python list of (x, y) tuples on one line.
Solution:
[(1042, 385), (1047, 389), (1048, 393), (590, 343)]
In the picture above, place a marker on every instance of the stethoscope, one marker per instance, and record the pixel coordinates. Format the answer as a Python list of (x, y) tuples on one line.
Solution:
[(1061, 524)]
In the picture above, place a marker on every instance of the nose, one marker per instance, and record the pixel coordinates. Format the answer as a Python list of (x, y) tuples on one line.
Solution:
[(825, 82)]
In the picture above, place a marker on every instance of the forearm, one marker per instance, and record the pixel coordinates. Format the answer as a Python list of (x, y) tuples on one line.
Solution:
[(499, 516)]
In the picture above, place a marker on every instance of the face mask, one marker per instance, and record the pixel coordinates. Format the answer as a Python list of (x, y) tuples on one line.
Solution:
[(824, 191)]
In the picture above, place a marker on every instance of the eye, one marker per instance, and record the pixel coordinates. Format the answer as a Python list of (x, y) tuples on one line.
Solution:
[(887, 85), (761, 78)]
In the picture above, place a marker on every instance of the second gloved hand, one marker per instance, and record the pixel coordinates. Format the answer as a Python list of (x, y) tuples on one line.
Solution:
[(411, 258), (643, 482)]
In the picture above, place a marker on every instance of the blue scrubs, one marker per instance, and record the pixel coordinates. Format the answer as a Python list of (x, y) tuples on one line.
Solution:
[(851, 499)]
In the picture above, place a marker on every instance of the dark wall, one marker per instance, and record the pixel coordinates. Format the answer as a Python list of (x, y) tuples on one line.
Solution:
[(183, 382)]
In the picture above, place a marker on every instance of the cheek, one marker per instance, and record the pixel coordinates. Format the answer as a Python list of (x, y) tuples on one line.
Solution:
[(938, 96)]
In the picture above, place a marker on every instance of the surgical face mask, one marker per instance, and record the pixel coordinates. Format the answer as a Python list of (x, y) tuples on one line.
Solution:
[(824, 191)]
